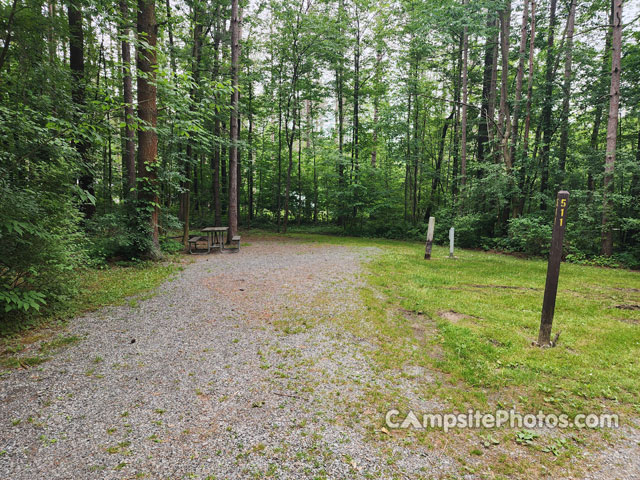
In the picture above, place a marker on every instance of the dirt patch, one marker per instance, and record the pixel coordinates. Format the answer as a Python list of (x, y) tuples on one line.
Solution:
[(628, 307), (505, 287), (454, 317), (630, 321)]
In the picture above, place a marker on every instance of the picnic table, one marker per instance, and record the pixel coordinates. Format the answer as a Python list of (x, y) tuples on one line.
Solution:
[(215, 236)]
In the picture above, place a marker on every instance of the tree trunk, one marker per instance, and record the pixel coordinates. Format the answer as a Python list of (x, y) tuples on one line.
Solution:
[(566, 88), (519, 80), (196, 55), (547, 125), (216, 126), (9, 27), (299, 206), (527, 118), (408, 160), (504, 120), (597, 118), (76, 62), (376, 103), (290, 135), (250, 156), (129, 152), (612, 128), (147, 113), (356, 113), (486, 110), (233, 123), (465, 99), (172, 54), (436, 178)]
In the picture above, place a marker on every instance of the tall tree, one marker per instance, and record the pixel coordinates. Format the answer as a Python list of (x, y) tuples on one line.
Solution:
[(612, 128), (233, 122), (147, 66), (129, 151), (485, 125), (566, 87), (519, 79), (76, 62), (504, 119), (190, 160), (465, 99), (547, 106), (217, 206)]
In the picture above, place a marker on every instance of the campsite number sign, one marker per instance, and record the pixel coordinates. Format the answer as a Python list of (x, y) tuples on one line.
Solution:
[(553, 269)]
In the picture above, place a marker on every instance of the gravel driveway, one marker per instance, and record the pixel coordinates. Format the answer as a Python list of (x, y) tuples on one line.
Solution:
[(233, 369)]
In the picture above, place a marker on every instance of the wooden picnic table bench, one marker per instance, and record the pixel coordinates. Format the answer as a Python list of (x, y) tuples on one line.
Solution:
[(193, 245), (235, 243)]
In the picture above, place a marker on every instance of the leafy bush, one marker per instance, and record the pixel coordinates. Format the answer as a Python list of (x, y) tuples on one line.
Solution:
[(117, 235), (530, 234), (169, 245), (469, 229), (40, 245)]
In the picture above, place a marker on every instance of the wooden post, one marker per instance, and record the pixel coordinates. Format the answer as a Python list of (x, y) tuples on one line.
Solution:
[(427, 252), (553, 269), (451, 237)]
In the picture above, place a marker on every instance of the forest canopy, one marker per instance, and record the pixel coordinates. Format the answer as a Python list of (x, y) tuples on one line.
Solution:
[(123, 124)]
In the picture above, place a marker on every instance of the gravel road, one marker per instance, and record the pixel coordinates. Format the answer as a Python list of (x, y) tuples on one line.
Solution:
[(231, 370)]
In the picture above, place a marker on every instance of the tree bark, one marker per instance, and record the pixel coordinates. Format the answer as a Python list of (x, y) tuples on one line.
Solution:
[(216, 125), (465, 98), (147, 113), (486, 109), (566, 88), (7, 38), (612, 128), (519, 80), (504, 120), (129, 152), (233, 123), (547, 126), (76, 62)]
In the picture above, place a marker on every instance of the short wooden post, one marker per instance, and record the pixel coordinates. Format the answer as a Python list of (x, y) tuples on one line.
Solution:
[(451, 237), (427, 252), (553, 269)]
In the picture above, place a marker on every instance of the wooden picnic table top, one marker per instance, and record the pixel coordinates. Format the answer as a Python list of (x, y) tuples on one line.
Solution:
[(215, 229)]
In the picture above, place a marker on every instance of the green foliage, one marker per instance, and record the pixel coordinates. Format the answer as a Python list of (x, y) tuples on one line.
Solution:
[(530, 234), (39, 247), (171, 246), (120, 235)]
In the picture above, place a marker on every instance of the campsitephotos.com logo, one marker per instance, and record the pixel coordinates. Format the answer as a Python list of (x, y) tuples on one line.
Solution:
[(498, 419)]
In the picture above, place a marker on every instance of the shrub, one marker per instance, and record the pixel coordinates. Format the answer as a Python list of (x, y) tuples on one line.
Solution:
[(530, 234), (40, 245)]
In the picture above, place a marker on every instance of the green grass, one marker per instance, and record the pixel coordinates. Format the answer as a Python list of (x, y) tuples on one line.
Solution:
[(498, 300), (493, 303), (114, 285)]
